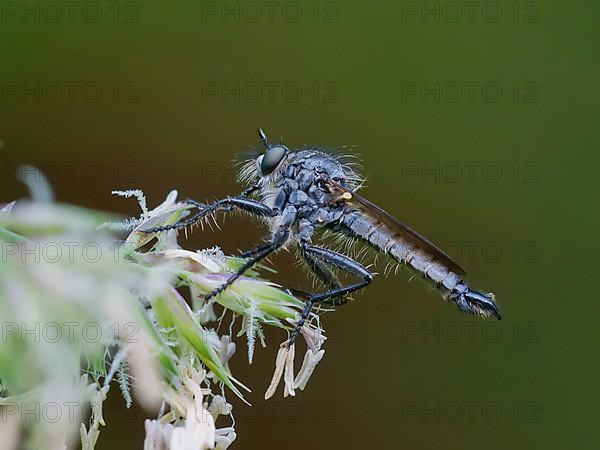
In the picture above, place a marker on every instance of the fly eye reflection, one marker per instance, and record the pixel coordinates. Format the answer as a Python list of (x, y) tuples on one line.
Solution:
[(272, 158)]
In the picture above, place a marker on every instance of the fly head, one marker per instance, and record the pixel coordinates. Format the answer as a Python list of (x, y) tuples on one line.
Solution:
[(272, 158)]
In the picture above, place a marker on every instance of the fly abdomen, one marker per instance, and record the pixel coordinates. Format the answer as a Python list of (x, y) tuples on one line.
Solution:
[(450, 284), (401, 249)]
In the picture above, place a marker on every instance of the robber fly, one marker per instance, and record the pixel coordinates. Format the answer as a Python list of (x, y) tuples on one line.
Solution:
[(299, 192)]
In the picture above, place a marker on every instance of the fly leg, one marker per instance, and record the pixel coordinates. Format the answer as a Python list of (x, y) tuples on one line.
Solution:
[(279, 239), (197, 204), (339, 261), (250, 190), (226, 204), (254, 251), (323, 273), (298, 293)]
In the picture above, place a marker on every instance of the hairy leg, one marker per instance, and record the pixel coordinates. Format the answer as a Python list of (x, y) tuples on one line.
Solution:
[(226, 204), (325, 274), (339, 261), (279, 239)]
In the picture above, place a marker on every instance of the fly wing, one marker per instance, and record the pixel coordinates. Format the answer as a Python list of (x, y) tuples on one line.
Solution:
[(344, 195)]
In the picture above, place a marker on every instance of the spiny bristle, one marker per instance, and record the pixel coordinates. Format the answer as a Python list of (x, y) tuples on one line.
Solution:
[(351, 165), (247, 172)]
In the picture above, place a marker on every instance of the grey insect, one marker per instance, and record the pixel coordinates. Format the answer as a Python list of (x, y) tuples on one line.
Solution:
[(300, 192)]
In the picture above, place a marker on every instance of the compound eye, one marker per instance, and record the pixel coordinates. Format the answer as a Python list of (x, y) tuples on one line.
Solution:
[(272, 158)]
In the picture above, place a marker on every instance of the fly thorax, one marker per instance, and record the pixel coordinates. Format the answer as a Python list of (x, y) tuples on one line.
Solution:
[(305, 179), (299, 198)]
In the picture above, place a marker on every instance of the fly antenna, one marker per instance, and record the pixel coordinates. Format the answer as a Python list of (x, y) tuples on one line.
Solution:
[(263, 138)]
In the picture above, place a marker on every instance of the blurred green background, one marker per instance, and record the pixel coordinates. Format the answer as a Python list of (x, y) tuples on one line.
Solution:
[(478, 129)]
